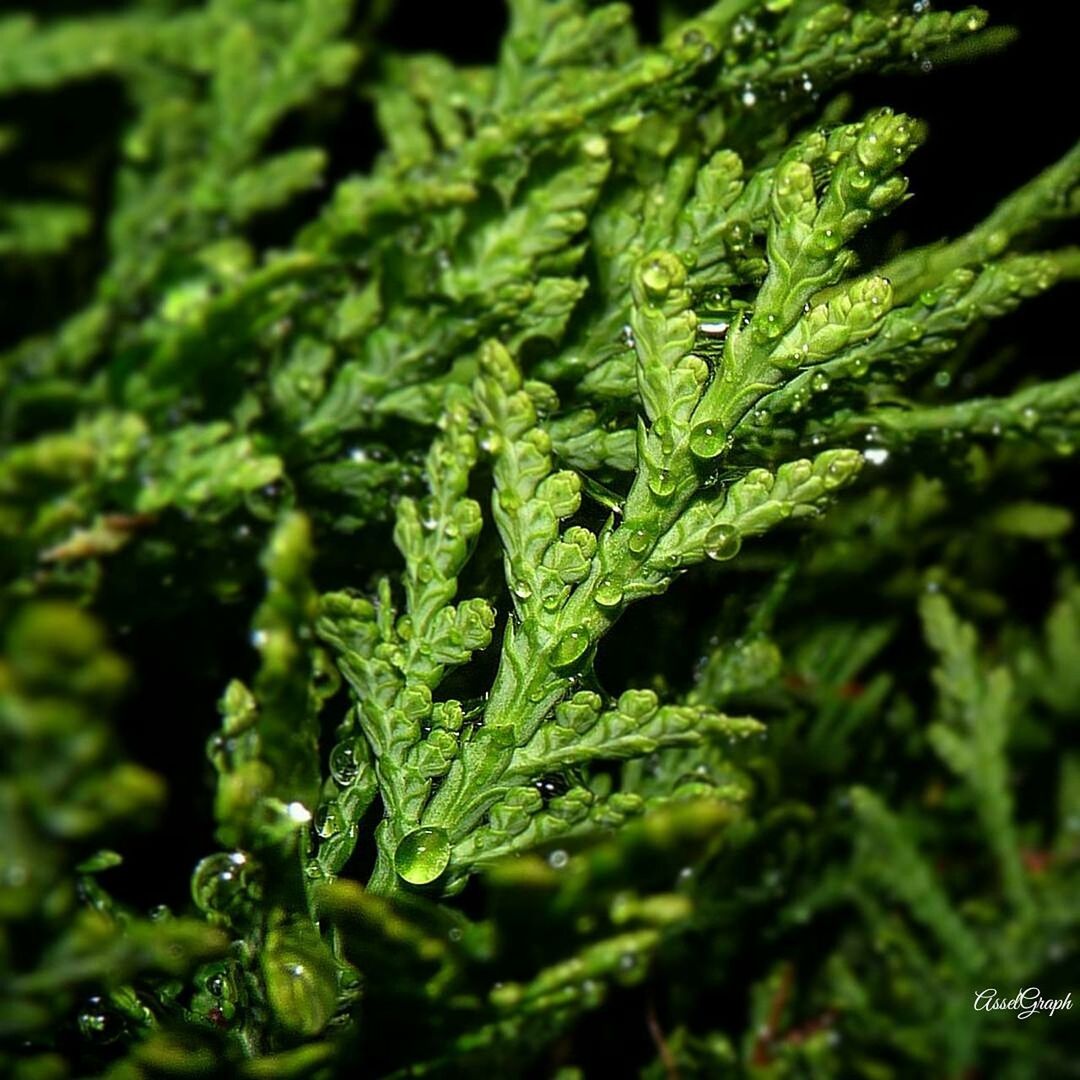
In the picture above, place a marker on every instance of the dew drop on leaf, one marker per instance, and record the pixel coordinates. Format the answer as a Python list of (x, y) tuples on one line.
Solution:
[(608, 592), (422, 855), (343, 765), (570, 648), (722, 542), (661, 484), (223, 882), (707, 440)]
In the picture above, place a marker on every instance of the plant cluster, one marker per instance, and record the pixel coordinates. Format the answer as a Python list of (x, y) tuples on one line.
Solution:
[(605, 320)]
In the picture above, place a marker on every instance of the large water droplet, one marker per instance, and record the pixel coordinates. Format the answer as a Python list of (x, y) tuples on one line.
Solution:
[(570, 648), (662, 484), (222, 883), (422, 855), (609, 592), (329, 819), (707, 440), (722, 542), (559, 859), (99, 1022), (344, 767), (640, 541)]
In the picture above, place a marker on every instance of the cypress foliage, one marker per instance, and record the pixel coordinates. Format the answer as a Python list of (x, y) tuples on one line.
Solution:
[(635, 579)]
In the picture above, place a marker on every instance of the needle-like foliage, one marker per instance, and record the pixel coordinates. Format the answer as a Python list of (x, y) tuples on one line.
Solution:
[(439, 476)]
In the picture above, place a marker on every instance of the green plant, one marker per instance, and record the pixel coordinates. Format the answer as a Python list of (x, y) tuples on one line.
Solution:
[(600, 315)]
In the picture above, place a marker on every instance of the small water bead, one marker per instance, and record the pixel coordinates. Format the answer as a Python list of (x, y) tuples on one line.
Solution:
[(656, 278), (609, 592), (558, 859), (329, 819), (343, 764), (877, 455), (627, 338), (748, 97), (223, 881), (98, 1022), (570, 648), (640, 541), (722, 542), (663, 430), (707, 440), (715, 329), (662, 484), (422, 855), (819, 382)]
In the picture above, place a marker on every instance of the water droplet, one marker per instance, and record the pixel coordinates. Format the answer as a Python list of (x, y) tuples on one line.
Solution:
[(626, 337), (656, 277), (329, 819), (223, 882), (819, 382), (722, 542), (640, 541), (877, 456), (98, 1022), (707, 440), (1029, 418), (558, 859), (608, 592), (343, 765), (259, 638), (570, 648), (661, 484), (716, 329), (521, 589), (422, 855), (748, 97)]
